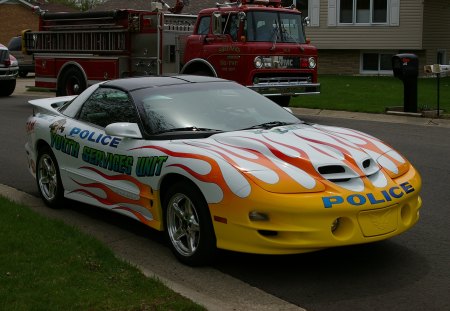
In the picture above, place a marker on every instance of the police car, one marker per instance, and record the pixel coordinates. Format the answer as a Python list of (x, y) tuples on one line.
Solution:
[(216, 165)]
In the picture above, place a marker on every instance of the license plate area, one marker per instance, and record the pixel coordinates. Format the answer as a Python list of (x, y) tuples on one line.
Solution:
[(379, 221)]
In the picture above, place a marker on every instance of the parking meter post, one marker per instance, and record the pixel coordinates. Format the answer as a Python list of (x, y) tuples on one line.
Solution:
[(406, 68)]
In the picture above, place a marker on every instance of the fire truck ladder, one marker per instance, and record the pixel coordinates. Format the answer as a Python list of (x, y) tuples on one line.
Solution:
[(96, 32), (76, 41)]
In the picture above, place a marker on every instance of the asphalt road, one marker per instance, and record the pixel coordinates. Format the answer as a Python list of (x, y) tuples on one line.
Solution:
[(408, 272)]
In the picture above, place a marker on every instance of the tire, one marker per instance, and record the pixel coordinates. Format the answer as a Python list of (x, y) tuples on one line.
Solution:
[(7, 87), (48, 179), (188, 226), (72, 82), (202, 73), (22, 73), (283, 101)]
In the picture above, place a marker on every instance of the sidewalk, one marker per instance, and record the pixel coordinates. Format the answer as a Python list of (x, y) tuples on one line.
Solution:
[(24, 84)]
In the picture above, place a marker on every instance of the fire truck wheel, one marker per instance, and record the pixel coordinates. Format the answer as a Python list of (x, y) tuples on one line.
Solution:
[(7, 87), (283, 101), (202, 73), (72, 82)]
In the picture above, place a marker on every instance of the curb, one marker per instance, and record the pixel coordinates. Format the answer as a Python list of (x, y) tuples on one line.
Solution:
[(206, 286)]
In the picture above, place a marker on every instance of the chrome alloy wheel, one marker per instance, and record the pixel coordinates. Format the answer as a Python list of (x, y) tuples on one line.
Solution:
[(183, 224), (47, 177)]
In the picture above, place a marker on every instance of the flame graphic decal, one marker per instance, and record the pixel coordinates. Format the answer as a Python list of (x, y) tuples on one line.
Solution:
[(112, 198)]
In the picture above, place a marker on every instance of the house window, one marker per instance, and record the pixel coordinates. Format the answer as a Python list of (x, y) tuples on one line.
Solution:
[(376, 62), (363, 11)]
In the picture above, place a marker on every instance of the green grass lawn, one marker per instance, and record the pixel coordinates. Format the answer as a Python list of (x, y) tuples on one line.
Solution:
[(372, 94), (47, 265)]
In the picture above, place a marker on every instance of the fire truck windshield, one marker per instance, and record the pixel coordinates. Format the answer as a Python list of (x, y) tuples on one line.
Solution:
[(274, 27)]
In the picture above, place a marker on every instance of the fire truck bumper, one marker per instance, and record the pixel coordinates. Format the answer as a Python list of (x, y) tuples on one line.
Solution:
[(285, 89)]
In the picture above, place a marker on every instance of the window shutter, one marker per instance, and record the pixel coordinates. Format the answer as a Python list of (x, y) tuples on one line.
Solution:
[(332, 13), (394, 13), (314, 12)]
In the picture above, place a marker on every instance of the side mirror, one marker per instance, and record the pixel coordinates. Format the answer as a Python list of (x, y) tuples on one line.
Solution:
[(124, 129), (306, 21), (242, 16)]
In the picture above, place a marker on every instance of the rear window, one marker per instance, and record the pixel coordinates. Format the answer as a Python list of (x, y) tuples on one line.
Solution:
[(15, 44)]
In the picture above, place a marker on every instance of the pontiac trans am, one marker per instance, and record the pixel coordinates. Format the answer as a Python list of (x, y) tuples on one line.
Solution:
[(216, 165)]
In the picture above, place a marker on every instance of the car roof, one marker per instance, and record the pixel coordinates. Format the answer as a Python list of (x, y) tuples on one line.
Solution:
[(137, 83)]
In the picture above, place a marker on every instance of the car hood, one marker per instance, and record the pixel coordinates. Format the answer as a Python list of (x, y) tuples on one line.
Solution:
[(307, 158)]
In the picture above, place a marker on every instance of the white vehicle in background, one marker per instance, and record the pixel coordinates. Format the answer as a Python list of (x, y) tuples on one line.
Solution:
[(9, 69)]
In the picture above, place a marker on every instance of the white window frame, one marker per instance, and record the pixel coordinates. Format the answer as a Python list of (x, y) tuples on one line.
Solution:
[(444, 56), (354, 15), (392, 14), (375, 72)]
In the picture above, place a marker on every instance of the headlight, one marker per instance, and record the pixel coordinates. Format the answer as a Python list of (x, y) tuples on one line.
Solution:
[(258, 62), (312, 62)]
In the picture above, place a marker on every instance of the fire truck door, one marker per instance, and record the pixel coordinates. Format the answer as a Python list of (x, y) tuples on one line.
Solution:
[(222, 48)]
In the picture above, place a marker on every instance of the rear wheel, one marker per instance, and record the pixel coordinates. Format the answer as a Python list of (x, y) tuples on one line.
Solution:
[(7, 87), (48, 178), (72, 82), (188, 225)]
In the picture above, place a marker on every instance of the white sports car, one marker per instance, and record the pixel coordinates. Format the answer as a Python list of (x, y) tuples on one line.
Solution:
[(216, 165)]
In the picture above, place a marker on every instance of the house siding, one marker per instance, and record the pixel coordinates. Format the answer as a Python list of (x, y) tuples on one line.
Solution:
[(436, 33), (408, 35)]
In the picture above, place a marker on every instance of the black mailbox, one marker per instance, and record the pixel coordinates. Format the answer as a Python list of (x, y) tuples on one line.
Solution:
[(406, 68)]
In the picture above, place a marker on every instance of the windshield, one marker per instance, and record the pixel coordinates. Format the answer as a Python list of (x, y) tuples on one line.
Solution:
[(271, 26), (217, 106)]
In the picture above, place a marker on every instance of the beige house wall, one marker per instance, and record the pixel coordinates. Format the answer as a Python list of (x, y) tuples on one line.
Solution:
[(436, 33), (407, 35)]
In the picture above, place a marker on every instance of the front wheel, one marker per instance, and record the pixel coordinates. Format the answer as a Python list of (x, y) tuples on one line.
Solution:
[(188, 225), (283, 101), (7, 87), (48, 179)]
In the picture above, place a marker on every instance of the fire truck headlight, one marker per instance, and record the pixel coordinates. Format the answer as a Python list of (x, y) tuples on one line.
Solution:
[(312, 62), (258, 62)]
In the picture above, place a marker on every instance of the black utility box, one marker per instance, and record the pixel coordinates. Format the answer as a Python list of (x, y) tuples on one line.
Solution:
[(406, 68)]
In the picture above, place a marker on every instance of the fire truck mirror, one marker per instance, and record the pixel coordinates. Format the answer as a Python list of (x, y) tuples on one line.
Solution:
[(242, 16), (217, 23), (306, 21)]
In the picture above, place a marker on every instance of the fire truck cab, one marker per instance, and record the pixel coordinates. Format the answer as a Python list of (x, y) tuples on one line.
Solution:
[(256, 43)]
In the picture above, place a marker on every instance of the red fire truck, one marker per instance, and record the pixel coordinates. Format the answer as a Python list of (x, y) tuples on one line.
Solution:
[(257, 43)]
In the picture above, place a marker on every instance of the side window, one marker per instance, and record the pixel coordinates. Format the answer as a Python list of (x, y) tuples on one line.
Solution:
[(203, 26), (106, 106), (232, 26)]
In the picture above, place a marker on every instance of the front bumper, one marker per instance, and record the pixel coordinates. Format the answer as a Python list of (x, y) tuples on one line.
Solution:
[(285, 88), (9, 73), (300, 223)]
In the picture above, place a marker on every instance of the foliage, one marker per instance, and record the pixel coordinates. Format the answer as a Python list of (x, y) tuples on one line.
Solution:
[(46, 265), (82, 5), (373, 94)]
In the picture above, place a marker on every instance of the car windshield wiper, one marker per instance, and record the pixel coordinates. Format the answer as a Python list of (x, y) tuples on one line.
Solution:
[(189, 129), (269, 125)]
